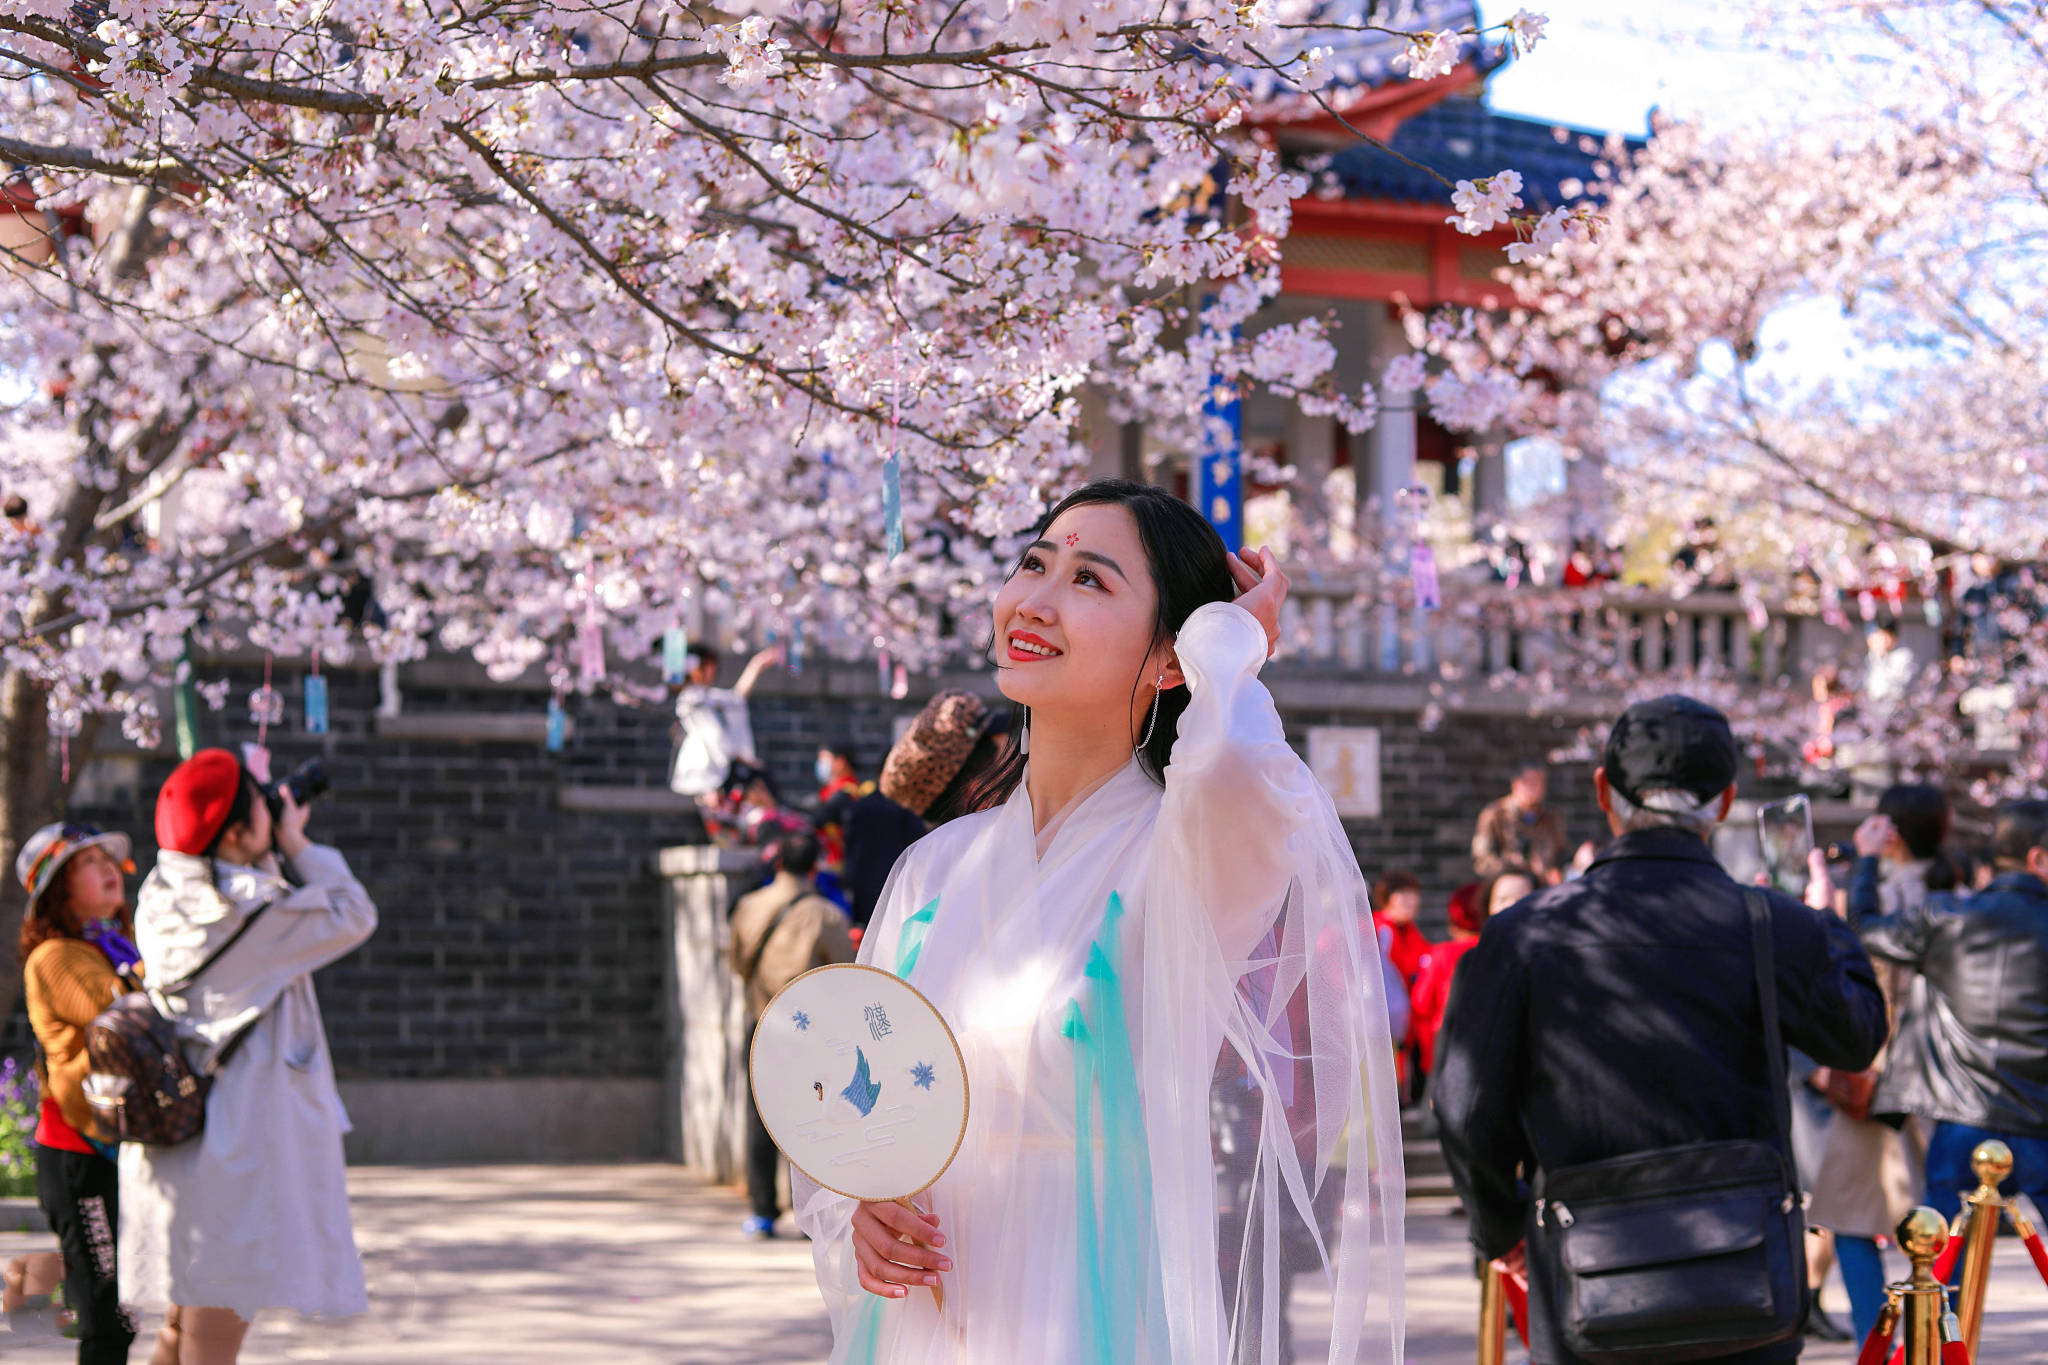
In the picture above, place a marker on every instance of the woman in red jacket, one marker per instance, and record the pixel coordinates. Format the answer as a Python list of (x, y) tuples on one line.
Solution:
[(1397, 899), (1471, 906)]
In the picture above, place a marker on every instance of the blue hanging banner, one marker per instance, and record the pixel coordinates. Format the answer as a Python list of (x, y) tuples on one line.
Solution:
[(796, 647), (892, 504), (675, 655), (1219, 481), (558, 724), (316, 704)]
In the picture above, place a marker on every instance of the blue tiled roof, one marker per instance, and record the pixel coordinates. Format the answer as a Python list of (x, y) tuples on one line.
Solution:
[(1462, 139), (1368, 58)]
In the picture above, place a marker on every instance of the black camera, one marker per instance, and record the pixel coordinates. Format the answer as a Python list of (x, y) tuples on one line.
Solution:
[(307, 783)]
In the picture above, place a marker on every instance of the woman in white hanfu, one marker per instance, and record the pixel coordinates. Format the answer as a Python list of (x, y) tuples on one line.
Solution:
[(1154, 944)]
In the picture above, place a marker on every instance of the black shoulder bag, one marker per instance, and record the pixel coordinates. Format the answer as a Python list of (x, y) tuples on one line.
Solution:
[(1681, 1253)]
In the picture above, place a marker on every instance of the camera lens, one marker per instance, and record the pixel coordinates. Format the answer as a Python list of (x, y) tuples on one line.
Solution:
[(308, 782)]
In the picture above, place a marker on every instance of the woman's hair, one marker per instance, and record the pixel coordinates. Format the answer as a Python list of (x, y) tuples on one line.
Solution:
[(1190, 569), (952, 802), (50, 916), (1467, 908), (1391, 883), (1919, 811), (239, 812)]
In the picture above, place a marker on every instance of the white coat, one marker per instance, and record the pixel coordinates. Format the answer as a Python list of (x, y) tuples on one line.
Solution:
[(252, 1213)]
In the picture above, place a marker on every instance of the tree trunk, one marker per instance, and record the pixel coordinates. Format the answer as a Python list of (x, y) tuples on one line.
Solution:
[(29, 799)]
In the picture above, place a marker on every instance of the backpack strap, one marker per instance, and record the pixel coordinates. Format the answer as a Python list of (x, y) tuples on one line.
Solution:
[(248, 922), (1767, 998), (754, 958)]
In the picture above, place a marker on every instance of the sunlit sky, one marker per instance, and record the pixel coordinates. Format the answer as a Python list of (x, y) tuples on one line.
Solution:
[(1604, 64)]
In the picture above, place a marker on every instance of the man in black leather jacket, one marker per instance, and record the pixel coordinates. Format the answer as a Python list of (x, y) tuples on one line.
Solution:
[(1974, 1060), (1618, 1013)]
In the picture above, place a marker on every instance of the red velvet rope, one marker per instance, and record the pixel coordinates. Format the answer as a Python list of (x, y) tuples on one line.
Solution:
[(1945, 1264), (1516, 1289), (1878, 1344), (1955, 1353), (2038, 1252)]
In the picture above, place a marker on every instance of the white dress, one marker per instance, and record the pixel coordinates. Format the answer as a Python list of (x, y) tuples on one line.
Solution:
[(1180, 1074), (252, 1213)]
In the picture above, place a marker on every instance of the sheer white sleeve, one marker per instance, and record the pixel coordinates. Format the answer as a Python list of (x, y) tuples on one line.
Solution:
[(1271, 1124), (1237, 797)]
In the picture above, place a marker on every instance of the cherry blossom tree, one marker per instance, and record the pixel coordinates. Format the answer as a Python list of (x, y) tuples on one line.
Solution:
[(520, 321), (1829, 336)]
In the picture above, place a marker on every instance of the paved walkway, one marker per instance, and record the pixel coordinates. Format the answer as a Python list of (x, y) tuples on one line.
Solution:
[(642, 1265)]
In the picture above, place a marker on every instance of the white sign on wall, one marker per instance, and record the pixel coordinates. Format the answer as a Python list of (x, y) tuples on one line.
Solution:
[(1346, 760)]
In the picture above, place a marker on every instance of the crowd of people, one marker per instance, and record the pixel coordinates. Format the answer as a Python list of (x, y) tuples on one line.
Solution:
[(1636, 1037), (1650, 1079), (1613, 1013)]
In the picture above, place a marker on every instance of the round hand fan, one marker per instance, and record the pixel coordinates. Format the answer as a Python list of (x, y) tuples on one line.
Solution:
[(860, 1083)]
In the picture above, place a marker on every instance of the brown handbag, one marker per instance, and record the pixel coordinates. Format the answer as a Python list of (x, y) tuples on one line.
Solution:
[(140, 1081), (1851, 1092)]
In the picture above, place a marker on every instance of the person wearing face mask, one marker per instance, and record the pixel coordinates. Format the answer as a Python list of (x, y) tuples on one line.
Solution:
[(77, 954), (252, 1213), (1148, 917), (839, 786)]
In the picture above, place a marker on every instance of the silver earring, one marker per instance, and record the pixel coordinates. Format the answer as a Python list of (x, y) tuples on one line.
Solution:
[(1024, 735), (1158, 687)]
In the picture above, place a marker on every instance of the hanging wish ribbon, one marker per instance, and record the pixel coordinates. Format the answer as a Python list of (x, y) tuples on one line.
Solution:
[(64, 723), (316, 699), (883, 673), (590, 646), (1422, 565), (892, 504), (675, 655), (558, 723), (899, 683), (266, 706), (892, 469), (796, 648), (185, 708)]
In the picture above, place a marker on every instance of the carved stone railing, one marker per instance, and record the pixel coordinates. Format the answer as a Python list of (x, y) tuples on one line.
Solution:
[(1492, 629)]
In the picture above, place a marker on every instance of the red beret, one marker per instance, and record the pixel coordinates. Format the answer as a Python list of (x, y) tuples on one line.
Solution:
[(194, 803)]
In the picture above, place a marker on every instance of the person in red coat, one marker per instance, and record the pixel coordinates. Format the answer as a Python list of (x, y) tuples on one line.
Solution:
[(1398, 898), (1471, 906)]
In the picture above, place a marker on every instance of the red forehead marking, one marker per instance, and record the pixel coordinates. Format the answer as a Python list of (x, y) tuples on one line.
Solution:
[(1073, 538)]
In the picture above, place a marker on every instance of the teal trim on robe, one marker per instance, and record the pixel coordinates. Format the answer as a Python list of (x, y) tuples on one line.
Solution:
[(910, 942), (1117, 1259)]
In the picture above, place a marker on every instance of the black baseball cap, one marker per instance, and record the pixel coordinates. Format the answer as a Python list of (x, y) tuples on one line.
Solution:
[(1673, 743)]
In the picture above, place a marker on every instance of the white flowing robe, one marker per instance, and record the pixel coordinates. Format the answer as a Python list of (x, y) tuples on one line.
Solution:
[(252, 1213), (1121, 1195)]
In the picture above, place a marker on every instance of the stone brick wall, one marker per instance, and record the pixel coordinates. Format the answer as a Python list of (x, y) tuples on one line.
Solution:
[(520, 930)]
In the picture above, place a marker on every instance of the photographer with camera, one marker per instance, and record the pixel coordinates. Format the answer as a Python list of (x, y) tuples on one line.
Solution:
[(253, 1212)]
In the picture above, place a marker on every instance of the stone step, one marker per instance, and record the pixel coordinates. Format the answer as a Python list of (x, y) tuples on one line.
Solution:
[(1422, 1159)]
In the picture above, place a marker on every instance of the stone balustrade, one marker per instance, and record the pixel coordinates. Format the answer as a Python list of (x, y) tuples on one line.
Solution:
[(1495, 629)]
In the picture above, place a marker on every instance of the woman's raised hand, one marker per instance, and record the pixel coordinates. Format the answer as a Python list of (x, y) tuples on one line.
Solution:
[(1261, 588), (890, 1265)]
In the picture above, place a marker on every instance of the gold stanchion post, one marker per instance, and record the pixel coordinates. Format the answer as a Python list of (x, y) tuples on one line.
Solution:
[(1992, 1161), (1923, 1235), (1493, 1317)]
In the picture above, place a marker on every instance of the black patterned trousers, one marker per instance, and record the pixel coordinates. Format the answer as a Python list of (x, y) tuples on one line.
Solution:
[(80, 1191)]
